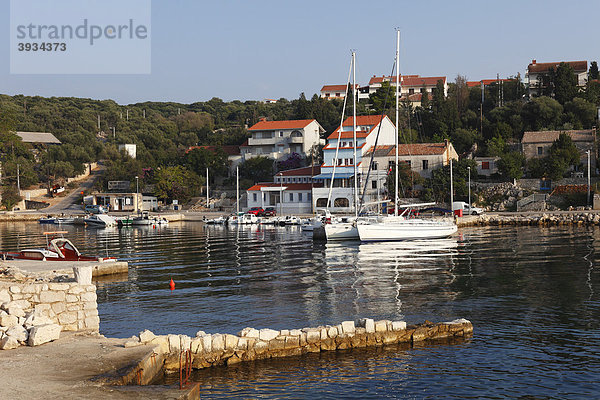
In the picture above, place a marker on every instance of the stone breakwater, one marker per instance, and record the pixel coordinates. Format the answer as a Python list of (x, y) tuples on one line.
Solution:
[(541, 219), (34, 313), (208, 350)]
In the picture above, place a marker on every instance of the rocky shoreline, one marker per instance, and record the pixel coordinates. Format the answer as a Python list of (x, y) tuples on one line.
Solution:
[(580, 218)]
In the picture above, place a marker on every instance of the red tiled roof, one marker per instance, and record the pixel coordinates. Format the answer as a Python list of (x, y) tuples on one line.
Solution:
[(409, 80), (289, 186), (536, 68), (363, 120), (304, 171), (586, 135), (273, 125), (229, 150), (412, 149), (335, 88), (486, 82)]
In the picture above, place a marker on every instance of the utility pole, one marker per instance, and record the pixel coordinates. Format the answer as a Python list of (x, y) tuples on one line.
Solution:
[(128, 114), (98, 122), (207, 203), (469, 169), (451, 187), (588, 176), (18, 180)]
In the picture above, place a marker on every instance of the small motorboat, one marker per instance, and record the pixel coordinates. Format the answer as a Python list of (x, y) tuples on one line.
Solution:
[(144, 219), (216, 221), (57, 249), (48, 220), (100, 221)]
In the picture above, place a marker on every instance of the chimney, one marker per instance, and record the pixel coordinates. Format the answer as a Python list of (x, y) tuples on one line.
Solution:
[(262, 119), (533, 61)]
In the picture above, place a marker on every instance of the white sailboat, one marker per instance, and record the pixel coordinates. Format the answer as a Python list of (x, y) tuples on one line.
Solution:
[(401, 227)]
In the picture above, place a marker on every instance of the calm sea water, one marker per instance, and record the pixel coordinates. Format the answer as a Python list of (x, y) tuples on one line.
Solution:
[(532, 294)]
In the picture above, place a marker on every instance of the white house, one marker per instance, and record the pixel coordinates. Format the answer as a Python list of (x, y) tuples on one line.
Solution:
[(130, 149), (334, 91), (410, 84), (367, 128), (487, 166), (294, 186), (279, 139), (537, 77)]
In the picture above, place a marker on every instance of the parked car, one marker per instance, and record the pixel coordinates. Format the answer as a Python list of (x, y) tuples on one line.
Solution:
[(95, 209), (258, 211), (270, 212), (467, 210)]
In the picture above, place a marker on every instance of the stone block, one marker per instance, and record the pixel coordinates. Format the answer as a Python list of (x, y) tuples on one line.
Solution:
[(71, 298), (284, 332), (71, 327), (174, 343), (249, 333), (292, 342), (8, 343), (92, 323), (146, 336), (5, 296), (162, 342), (231, 342), (295, 332), (348, 327), (52, 297), (59, 307), (369, 325), (75, 290), (91, 313), (243, 343), (83, 274), (14, 309), (207, 343), (8, 321), (24, 304), (90, 305), (17, 296), (303, 341), (132, 342), (90, 288), (323, 333), (260, 347), (54, 286), (268, 334), (34, 319), (398, 325), (18, 332), (218, 342), (88, 296), (200, 333), (15, 289), (332, 332), (196, 345), (31, 289), (80, 325), (381, 326), (277, 344), (67, 317), (313, 336), (42, 309), (185, 342)]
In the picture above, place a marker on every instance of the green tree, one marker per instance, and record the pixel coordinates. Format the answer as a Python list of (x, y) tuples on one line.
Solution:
[(511, 165), (563, 155), (593, 73), (10, 197), (496, 147), (257, 169), (565, 83), (177, 183), (407, 179), (542, 113), (581, 113), (215, 159), (384, 98)]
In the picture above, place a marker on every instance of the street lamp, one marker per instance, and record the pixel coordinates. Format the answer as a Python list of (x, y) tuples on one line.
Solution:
[(137, 195), (469, 169)]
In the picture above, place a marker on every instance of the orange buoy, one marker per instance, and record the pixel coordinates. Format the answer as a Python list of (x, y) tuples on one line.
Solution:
[(172, 285)]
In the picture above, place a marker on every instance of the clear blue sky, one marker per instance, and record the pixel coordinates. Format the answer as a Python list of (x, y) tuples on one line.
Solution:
[(252, 50)]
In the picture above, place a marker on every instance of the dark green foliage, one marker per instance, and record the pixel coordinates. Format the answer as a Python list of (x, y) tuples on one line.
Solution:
[(563, 155), (177, 183), (257, 169), (439, 183), (593, 73), (407, 178), (10, 197), (511, 165)]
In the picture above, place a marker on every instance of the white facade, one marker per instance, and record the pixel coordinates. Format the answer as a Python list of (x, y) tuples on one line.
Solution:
[(367, 128), (279, 139), (410, 84), (130, 149), (487, 166), (538, 72)]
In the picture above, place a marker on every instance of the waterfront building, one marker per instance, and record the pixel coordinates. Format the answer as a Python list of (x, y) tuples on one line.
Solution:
[(279, 139), (367, 128), (335, 91), (410, 84), (537, 144), (294, 186), (537, 77), (487, 166)]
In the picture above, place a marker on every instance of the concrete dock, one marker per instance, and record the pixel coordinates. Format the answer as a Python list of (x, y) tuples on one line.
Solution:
[(41, 268)]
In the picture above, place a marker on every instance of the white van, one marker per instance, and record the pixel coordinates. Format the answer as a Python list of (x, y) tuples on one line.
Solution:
[(467, 210)]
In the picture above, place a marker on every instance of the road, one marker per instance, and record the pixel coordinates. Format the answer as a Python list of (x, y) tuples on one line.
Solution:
[(70, 204)]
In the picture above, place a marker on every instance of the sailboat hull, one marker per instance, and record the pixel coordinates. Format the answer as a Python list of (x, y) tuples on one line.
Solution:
[(341, 231), (405, 230)]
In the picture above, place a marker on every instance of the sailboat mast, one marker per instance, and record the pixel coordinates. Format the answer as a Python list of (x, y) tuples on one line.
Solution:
[(354, 128), (397, 123), (237, 189)]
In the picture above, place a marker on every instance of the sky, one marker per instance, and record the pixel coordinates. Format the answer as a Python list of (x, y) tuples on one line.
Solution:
[(254, 50)]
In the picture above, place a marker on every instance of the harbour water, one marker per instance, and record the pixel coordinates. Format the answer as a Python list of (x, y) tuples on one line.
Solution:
[(532, 295)]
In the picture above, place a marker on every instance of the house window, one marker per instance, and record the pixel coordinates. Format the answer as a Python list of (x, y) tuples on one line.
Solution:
[(485, 165), (425, 164), (349, 144), (340, 161), (291, 197), (299, 197), (326, 94), (423, 90), (374, 165), (280, 133), (540, 150), (337, 95), (373, 184), (254, 197), (344, 144), (407, 163), (411, 91)]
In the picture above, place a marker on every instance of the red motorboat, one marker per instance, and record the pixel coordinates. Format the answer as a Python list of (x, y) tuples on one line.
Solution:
[(57, 249)]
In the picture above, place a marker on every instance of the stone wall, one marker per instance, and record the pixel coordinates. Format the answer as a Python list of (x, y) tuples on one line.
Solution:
[(68, 304), (209, 350)]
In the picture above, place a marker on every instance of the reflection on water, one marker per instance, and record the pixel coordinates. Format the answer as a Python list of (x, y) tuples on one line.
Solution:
[(531, 294)]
